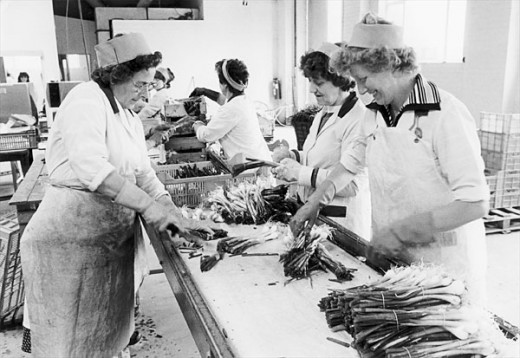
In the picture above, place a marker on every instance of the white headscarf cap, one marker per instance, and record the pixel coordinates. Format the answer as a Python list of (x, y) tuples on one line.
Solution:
[(121, 49), (328, 49), (377, 35)]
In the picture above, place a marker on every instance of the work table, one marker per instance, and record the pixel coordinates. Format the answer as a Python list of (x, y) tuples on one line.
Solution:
[(243, 308)]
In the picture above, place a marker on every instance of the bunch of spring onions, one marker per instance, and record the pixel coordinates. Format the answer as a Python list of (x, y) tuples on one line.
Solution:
[(307, 254), (248, 203), (414, 311), (239, 244)]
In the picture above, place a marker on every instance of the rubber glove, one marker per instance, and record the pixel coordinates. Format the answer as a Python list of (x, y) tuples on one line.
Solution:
[(133, 197), (281, 152), (201, 91), (289, 170), (156, 139), (393, 242), (197, 124), (191, 224)]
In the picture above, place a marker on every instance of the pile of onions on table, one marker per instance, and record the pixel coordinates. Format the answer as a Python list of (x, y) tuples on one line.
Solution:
[(416, 311), (252, 203), (306, 253)]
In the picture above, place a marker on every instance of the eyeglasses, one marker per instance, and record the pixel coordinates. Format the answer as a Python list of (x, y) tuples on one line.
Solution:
[(144, 85)]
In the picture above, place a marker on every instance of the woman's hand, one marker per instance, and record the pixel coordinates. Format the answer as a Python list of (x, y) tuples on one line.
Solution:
[(281, 152), (289, 170), (308, 213), (385, 245), (162, 218)]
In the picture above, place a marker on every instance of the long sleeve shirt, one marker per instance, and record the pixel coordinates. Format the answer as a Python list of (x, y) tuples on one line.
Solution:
[(93, 135), (236, 127)]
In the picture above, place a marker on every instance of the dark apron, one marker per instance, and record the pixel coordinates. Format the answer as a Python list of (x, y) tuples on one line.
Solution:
[(78, 263)]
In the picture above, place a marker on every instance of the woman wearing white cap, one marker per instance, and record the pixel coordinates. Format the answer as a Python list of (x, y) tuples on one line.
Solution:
[(426, 174), (235, 125), (335, 140), (78, 249)]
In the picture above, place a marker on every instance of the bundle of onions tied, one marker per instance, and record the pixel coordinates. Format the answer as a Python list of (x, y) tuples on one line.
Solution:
[(307, 254), (414, 311)]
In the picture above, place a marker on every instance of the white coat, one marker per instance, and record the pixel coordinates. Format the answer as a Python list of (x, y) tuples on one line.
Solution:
[(236, 127), (339, 142), (426, 162)]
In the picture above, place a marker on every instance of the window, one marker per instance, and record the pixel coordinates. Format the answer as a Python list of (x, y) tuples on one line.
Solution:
[(434, 28), (334, 20)]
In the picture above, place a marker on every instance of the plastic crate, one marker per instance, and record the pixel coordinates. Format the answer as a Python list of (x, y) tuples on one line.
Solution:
[(500, 160), (491, 180), (21, 140), (506, 198), (181, 144), (500, 142), (186, 157), (11, 281), (171, 169), (191, 191), (500, 122)]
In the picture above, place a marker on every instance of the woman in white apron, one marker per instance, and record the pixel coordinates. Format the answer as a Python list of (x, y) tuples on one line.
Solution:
[(333, 142), (426, 174), (78, 249), (235, 125)]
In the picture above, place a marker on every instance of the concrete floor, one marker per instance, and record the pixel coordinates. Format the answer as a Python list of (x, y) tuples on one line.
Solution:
[(166, 334)]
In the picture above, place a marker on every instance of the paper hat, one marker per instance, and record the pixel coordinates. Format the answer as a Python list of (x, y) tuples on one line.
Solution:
[(377, 35), (328, 49), (121, 49)]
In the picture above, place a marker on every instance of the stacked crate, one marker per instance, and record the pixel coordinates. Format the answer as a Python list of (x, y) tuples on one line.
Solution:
[(500, 141), (184, 147), (11, 282)]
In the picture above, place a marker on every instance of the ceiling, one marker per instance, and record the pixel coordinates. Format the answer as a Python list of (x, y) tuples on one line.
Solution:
[(88, 6)]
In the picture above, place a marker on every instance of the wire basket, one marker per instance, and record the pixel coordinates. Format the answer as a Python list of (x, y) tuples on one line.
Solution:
[(20, 140), (11, 281)]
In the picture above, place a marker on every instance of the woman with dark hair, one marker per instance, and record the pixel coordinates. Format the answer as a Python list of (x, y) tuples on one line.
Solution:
[(235, 125), (23, 77), (157, 132), (334, 142), (427, 182), (78, 249)]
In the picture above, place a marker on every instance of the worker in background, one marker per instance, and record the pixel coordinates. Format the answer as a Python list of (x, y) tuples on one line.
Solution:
[(23, 77), (426, 175), (333, 140), (152, 113), (235, 125), (79, 248)]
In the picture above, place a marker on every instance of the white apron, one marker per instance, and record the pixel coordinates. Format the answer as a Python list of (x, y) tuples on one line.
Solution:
[(404, 180), (78, 262)]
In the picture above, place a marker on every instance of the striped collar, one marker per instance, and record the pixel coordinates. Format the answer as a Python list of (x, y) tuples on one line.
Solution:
[(424, 97)]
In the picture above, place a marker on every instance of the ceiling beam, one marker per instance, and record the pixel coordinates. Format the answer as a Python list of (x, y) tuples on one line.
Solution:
[(95, 3), (144, 3)]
